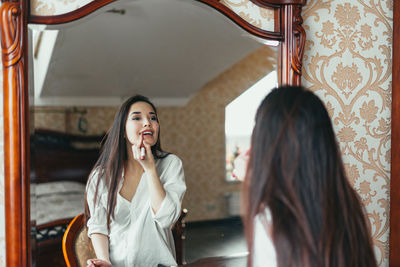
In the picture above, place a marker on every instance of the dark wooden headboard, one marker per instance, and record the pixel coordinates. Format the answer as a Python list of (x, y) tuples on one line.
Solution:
[(57, 156)]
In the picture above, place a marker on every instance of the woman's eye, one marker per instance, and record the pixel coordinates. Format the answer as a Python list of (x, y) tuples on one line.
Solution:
[(136, 118), (154, 118)]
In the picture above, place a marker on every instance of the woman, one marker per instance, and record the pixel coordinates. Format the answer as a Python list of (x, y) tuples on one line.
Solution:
[(134, 192), (300, 209)]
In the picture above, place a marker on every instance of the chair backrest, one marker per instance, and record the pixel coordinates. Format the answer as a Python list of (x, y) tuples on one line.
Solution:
[(178, 231), (77, 249), (76, 246)]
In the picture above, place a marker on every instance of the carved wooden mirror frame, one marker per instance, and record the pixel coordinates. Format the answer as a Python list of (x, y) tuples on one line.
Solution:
[(14, 27)]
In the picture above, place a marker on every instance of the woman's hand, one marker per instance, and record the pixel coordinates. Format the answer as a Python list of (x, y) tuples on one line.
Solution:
[(148, 162), (98, 263), (240, 163), (156, 189)]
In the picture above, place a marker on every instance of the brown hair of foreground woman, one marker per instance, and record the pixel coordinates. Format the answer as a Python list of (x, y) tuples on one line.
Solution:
[(295, 176)]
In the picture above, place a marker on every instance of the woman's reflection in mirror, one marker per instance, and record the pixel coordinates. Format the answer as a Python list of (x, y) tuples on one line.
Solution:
[(300, 209), (134, 198)]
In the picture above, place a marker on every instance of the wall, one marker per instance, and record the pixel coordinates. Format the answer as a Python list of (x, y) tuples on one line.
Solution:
[(348, 64), (340, 65), (64, 119), (195, 132)]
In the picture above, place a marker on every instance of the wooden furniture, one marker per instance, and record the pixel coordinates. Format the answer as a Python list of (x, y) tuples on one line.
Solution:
[(178, 231), (58, 163), (14, 27), (75, 244), (394, 235), (49, 250), (58, 156), (77, 249)]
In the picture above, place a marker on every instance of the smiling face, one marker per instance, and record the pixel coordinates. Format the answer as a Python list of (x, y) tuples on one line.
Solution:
[(141, 120)]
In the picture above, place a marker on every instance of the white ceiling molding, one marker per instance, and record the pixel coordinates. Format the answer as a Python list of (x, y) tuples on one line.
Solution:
[(104, 101), (86, 101)]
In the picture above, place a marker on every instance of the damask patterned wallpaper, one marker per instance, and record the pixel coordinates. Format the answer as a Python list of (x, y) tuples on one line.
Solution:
[(262, 18), (195, 132), (348, 63), (259, 17), (55, 7)]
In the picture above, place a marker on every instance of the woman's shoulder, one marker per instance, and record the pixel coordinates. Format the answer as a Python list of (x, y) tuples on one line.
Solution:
[(264, 253), (265, 216), (95, 177), (171, 160)]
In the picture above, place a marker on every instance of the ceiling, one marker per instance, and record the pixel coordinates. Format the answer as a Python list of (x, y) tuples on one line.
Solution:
[(164, 49)]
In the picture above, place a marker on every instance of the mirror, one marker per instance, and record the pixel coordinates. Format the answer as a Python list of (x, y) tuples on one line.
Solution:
[(193, 63), (288, 30)]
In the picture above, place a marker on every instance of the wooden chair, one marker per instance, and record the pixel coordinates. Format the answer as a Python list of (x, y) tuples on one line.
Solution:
[(178, 231), (77, 249), (75, 245)]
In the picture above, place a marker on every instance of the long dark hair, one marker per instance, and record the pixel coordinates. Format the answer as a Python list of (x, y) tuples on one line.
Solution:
[(295, 169), (113, 155)]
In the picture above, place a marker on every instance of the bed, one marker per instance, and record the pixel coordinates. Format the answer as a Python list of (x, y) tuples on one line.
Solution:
[(60, 165)]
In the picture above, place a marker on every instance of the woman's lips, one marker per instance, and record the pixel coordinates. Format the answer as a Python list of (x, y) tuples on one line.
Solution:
[(147, 133)]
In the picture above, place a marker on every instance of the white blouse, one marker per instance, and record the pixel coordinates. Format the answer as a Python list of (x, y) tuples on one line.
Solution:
[(264, 253), (137, 236)]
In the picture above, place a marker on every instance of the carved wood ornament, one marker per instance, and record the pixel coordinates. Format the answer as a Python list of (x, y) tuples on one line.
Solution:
[(16, 137), (14, 23)]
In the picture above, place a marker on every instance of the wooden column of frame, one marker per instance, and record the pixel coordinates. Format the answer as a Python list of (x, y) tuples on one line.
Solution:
[(394, 236), (14, 21), (293, 39), (16, 137), (292, 46)]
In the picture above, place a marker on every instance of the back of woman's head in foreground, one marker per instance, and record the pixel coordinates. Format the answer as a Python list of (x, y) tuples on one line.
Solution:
[(295, 169)]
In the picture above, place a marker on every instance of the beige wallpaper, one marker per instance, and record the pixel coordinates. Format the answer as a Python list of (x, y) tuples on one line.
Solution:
[(55, 7), (195, 132), (66, 119), (348, 64), (260, 17)]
